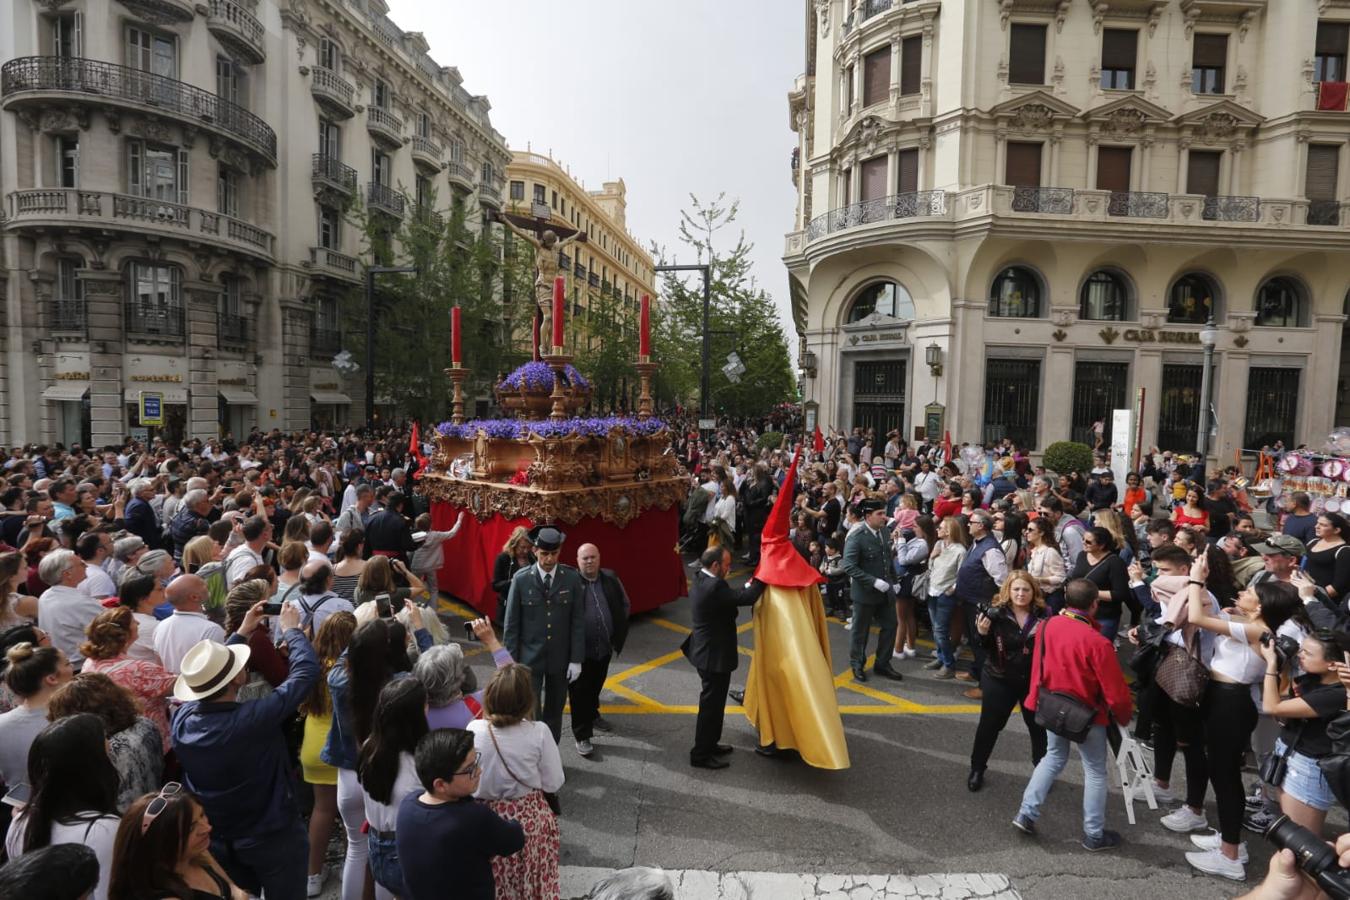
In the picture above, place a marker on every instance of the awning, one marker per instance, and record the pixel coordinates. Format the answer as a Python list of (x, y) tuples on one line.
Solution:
[(329, 397), (238, 396), (66, 390), (174, 395)]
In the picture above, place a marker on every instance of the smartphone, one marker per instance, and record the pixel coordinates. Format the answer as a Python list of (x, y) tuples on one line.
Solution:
[(383, 606), (18, 796), (272, 608), (469, 635)]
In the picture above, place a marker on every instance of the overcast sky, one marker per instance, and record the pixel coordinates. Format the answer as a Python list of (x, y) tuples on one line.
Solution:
[(675, 98)]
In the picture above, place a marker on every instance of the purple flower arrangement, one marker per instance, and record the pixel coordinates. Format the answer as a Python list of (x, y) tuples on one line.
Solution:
[(537, 376), (517, 429)]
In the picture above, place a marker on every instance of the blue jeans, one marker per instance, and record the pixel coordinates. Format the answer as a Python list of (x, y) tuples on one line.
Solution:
[(1093, 754), (274, 864), (940, 609), (384, 863), (1109, 627)]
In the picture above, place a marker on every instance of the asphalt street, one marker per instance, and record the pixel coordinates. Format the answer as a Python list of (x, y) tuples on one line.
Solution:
[(901, 809)]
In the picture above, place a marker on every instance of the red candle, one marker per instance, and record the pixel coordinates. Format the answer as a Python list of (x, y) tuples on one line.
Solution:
[(455, 330), (645, 328), (559, 295)]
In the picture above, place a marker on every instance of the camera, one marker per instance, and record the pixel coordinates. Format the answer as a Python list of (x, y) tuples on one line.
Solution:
[(1314, 856), (468, 632), (272, 608), (987, 610)]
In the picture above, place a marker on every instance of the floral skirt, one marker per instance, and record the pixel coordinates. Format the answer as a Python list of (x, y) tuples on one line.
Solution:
[(532, 873)]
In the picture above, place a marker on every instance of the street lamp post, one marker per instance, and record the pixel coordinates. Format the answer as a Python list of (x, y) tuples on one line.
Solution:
[(704, 400), (1209, 336), (371, 272)]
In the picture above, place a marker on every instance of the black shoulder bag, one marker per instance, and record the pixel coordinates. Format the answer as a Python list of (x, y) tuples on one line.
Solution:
[(1056, 711)]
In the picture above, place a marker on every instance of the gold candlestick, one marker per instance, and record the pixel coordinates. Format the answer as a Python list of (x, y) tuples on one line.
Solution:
[(558, 361), (457, 375), (646, 368)]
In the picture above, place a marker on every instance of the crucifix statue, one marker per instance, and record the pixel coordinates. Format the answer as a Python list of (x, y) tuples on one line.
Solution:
[(546, 246)]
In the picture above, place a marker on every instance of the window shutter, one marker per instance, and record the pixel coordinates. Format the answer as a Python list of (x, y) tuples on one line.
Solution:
[(1027, 56), (908, 182), (1202, 172), (873, 178), (135, 169), (183, 176), (846, 185), (1332, 38), (1023, 165), (1323, 162), (1119, 48), (877, 76), (911, 65), (77, 36), (1113, 168), (1211, 51)]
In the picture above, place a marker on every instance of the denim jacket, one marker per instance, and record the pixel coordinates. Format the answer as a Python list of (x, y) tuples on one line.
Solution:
[(339, 750)]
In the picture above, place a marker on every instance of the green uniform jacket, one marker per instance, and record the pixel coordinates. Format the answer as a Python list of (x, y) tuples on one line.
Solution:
[(545, 632), (866, 558)]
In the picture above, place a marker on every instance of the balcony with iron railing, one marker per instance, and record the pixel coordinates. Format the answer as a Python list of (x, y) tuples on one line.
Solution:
[(333, 92), (71, 208), (564, 261), (68, 315), (1043, 200), (428, 217), (167, 12), (580, 270), (1232, 209), (426, 151), (324, 339), (898, 206), (593, 279), (332, 174), (238, 29), (382, 198), (384, 125), (460, 173), (490, 192), (1138, 204), (1324, 212), (327, 263), (40, 81), (154, 320), (231, 329)]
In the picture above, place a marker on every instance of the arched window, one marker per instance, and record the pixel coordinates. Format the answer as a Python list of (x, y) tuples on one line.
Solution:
[(1104, 297), (1192, 300), (1016, 294), (886, 297), (1282, 303)]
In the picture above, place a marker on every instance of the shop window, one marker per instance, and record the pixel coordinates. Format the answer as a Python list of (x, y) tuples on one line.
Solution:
[(1012, 391), (885, 297), (1282, 303), (1104, 297), (1016, 294)]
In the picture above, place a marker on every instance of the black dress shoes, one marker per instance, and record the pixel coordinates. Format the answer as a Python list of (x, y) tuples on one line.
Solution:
[(711, 762), (975, 781), (890, 673), (768, 750), (738, 696), (859, 674), (722, 749)]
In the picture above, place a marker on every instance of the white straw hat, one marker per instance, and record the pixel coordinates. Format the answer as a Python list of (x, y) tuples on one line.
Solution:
[(207, 668)]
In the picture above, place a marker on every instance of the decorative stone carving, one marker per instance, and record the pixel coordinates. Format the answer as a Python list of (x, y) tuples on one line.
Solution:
[(823, 11), (1059, 334), (1002, 70), (1099, 11), (1057, 77), (1032, 117), (64, 119), (1218, 126), (1124, 123), (150, 129), (1150, 79), (1109, 334)]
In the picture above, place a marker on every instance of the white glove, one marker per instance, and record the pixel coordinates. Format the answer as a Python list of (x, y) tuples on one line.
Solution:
[(573, 672), (882, 585)]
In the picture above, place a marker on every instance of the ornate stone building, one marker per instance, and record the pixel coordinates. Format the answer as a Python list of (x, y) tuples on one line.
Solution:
[(175, 178), (1015, 215)]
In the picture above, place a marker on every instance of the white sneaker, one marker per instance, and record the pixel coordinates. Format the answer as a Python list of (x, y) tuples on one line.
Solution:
[(932, 654), (848, 623), (315, 885), (1212, 862), (910, 653), (1212, 841), (1183, 820), (1163, 794)]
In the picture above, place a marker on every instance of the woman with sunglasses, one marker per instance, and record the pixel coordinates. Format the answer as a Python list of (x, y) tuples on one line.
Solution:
[(73, 794), (163, 850)]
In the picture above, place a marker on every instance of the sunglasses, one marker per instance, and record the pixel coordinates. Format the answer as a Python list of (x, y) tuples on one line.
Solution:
[(155, 807)]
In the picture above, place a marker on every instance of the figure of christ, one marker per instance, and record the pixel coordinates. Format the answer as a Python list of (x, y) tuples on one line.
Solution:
[(546, 248)]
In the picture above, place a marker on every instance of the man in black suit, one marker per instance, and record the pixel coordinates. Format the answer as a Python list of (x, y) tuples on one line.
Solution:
[(711, 647)]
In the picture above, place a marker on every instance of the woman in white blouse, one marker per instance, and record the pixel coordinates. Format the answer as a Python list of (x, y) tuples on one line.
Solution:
[(946, 558), (520, 765), (722, 529), (1044, 562)]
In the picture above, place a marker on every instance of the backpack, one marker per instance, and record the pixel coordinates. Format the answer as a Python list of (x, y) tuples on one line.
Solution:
[(308, 610), (213, 573)]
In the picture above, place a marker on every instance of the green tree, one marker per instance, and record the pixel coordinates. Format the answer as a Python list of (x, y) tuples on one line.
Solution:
[(742, 319), (456, 266)]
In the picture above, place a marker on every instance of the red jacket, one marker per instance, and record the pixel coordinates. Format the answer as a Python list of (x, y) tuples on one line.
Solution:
[(1081, 663), (943, 508)]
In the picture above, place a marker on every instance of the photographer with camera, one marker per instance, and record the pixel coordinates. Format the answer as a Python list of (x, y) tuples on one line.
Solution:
[(1007, 629)]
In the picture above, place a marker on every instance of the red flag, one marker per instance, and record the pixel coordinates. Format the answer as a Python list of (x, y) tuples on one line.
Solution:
[(415, 449), (946, 446), (819, 444)]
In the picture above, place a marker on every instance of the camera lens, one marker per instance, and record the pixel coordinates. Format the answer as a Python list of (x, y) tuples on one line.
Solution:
[(1313, 855)]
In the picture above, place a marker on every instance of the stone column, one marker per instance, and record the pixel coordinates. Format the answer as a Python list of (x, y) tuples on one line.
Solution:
[(1318, 415), (1056, 139), (1235, 169), (1056, 412), (203, 301), (104, 292), (1230, 400), (1148, 375), (1183, 163)]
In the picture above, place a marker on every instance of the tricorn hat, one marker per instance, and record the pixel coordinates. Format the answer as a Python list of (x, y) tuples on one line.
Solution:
[(546, 537), (869, 505)]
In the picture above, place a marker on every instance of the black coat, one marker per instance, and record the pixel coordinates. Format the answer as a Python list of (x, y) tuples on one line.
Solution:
[(388, 531), (711, 646), (504, 568)]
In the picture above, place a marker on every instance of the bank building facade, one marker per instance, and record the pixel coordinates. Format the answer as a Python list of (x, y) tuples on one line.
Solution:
[(1015, 216)]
